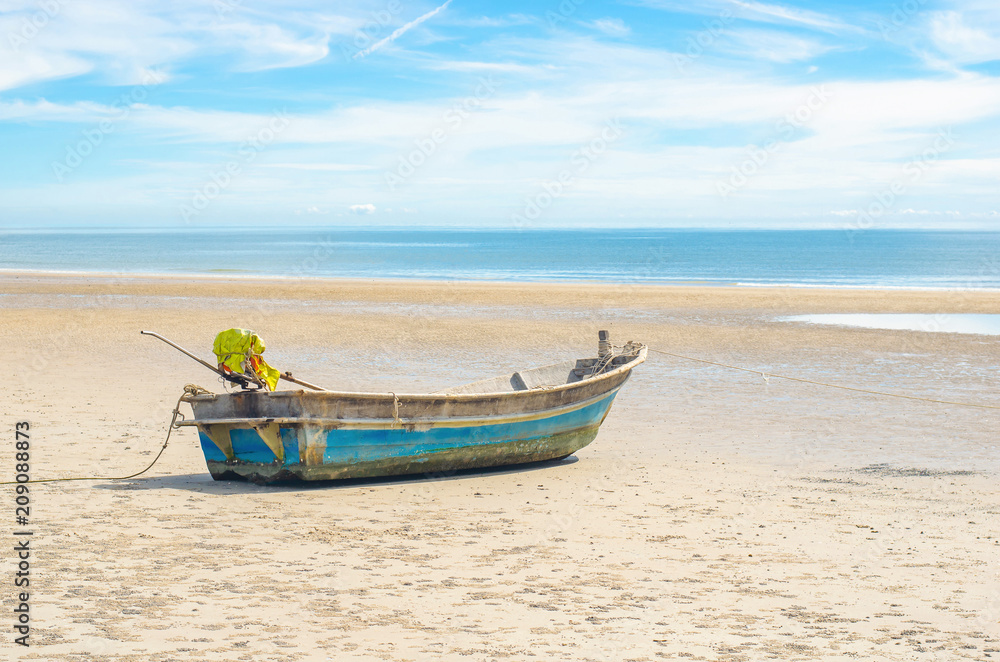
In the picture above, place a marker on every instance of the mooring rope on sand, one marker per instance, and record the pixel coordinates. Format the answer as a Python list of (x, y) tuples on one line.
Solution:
[(189, 389), (767, 375)]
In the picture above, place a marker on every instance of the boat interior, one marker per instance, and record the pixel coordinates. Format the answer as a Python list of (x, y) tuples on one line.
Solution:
[(550, 376)]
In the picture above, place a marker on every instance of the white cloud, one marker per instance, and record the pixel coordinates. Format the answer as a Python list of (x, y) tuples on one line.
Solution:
[(772, 46), (362, 209), (17, 69), (510, 20), (950, 39), (334, 167), (791, 16), (476, 67), (45, 111), (113, 38), (872, 115), (963, 38), (756, 11), (270, 46), (123, 41), (926, 212), (614, 27)]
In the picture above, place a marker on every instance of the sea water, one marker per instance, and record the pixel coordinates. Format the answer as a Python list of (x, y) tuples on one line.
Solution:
[(816, 258), (968, 323)]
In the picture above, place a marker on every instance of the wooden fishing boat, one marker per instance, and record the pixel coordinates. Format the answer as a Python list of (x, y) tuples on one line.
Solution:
[(528, 416)]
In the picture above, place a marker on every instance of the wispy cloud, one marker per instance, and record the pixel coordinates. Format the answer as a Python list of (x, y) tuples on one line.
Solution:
[(20, 69), (400, 31), (756, 11), (268, 46), (966, 39), (613, 27), (772, 46), (122, 42), (333, 167), (510, 20), (477, 67), (790, 15)]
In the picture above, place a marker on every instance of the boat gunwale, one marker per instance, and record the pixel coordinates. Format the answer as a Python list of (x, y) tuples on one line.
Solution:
[(431, 397), (448, 421)]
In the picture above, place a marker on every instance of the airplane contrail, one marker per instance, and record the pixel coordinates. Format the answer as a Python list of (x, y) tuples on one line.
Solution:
[(399, 31)]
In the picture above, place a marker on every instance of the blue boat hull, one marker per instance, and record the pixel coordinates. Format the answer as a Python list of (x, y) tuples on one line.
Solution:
[(366, 453)]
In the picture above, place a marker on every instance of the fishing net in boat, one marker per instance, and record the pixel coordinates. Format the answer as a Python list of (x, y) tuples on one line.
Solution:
[(239, 350)]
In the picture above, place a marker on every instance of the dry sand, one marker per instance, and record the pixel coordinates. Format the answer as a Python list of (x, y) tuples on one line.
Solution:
[(717, 516)]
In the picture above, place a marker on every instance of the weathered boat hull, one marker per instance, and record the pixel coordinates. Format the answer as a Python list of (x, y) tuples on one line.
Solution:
[(296, 435)]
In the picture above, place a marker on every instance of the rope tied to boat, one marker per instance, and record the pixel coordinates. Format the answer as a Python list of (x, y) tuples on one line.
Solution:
[(613, 352), (396, 420), (189, 389), (767, 376)]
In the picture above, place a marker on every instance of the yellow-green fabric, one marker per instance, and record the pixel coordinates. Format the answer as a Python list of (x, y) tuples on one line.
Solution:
[(235, 348), (267, 374)]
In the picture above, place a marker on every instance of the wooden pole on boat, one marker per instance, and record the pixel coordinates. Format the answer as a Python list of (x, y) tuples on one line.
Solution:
[(287, 376), (184, 351), (233, 377)]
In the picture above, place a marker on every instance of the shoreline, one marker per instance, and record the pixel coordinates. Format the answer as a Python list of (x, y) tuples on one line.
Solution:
[(229, 275), (571, 294)]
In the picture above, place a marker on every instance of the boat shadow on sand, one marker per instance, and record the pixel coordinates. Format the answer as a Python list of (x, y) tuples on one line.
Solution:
[(203, 482)]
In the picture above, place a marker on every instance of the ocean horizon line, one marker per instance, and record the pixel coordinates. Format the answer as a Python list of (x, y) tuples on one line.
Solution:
[(263, 228)]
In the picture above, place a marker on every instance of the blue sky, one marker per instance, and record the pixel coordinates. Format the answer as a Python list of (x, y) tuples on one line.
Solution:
[(543, 114)]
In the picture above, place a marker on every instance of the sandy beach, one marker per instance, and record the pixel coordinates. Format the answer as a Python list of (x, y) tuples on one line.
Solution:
[(718, 515)]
